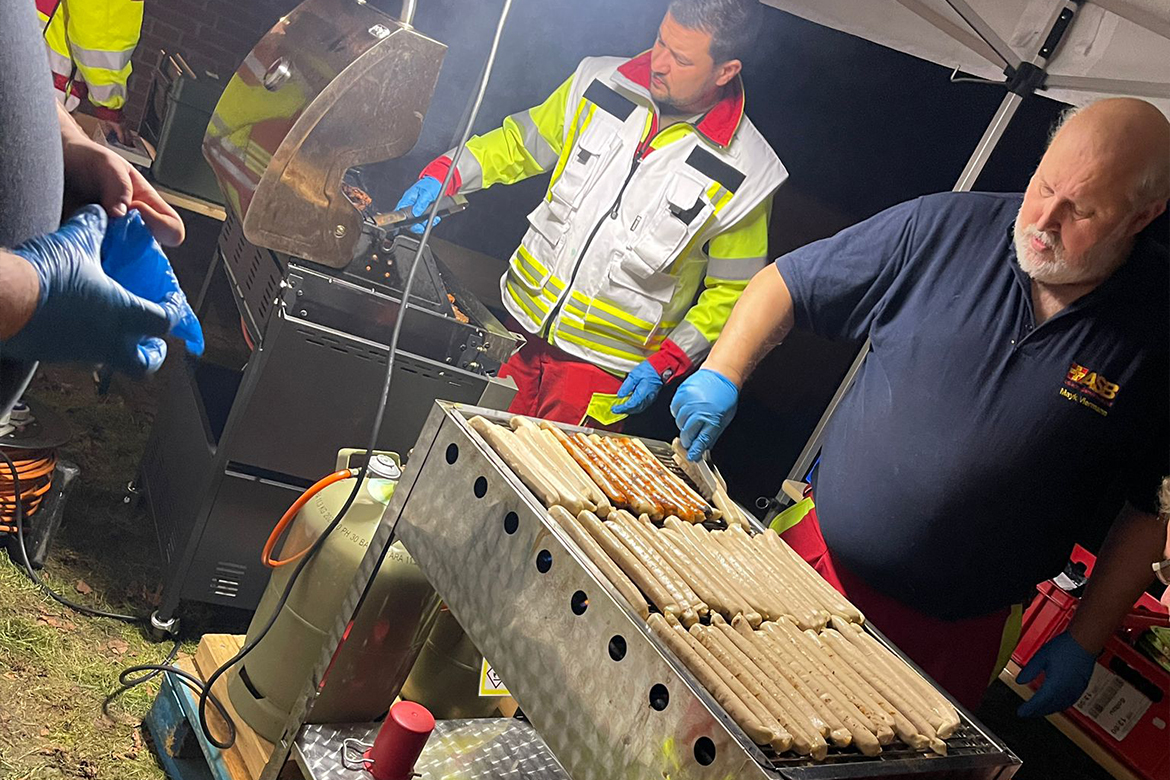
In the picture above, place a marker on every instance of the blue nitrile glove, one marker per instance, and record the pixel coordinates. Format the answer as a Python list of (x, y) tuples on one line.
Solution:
[(1066, 667), (420, 196), (703, 407), (83, 315), (133, 259), (640, 389)]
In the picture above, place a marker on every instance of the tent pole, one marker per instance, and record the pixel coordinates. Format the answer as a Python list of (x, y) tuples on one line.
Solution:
[(1017, 91), (999, 122)]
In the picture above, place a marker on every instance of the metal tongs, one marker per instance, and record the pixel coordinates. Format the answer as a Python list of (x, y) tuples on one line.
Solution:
[(403, 218)]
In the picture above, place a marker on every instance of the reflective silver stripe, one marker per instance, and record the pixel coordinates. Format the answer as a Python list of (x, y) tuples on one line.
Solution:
[(59, 63), (636, 331), (220, 126), (690, 341), (98, 58), (104, 93), (470, 171), (626, 348), (540, 149), (739, 269)]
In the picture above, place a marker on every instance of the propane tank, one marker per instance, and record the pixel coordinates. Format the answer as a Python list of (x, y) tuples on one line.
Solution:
[(380, 644), (445, 678)]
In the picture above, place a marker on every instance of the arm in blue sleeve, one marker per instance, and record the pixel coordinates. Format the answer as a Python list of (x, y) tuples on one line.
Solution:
[(838, 284)]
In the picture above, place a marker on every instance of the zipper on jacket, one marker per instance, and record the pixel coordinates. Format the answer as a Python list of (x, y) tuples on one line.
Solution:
[(611, 214), (639, 155)]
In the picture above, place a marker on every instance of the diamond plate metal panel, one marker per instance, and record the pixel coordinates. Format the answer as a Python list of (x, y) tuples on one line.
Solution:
[(485, 749)]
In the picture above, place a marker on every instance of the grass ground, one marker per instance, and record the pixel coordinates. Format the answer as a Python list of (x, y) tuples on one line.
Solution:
[(57, 667)]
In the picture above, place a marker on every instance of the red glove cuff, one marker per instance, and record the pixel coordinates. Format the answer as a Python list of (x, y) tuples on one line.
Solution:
[(110, 114), (437, 169), (670, 357)]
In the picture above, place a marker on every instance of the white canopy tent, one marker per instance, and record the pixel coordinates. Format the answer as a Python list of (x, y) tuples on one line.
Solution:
[(1074, 51)]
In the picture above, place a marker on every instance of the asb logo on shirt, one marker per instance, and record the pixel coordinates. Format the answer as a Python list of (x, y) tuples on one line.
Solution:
[(1089, 389)]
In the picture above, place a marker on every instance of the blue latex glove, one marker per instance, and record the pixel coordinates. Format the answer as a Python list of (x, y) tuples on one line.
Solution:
[(703, 407), (1066, 667), (640, 389), (420, 196), (132, 258), (83, 315)]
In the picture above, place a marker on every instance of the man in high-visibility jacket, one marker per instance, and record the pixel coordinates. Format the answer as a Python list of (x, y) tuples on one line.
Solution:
[(661, 190), (89, 44)]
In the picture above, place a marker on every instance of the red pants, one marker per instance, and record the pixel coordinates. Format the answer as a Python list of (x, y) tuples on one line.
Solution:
[(552, 384), (959, 655)]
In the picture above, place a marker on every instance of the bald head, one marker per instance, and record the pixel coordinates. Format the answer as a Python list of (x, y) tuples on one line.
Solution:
[(1104, 178), (1128, 137)]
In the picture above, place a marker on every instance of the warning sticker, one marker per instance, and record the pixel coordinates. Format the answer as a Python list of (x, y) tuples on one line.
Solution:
[(490, 683), (1112, 703)]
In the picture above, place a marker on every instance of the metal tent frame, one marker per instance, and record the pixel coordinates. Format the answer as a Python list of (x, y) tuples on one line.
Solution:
[(1022, 79)]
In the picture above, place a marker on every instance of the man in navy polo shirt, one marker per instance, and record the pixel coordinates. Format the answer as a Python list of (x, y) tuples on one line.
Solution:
[(1019, 373)]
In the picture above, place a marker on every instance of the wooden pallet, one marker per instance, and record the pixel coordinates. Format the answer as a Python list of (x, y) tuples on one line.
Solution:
[(179, 741)]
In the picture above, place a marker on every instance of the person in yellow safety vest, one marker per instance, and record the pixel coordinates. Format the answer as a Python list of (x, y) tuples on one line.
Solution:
[(661, 190), (89, 44)]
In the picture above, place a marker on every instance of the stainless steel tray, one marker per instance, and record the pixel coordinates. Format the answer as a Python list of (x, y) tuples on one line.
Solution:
[(483, 749), (609, 700)]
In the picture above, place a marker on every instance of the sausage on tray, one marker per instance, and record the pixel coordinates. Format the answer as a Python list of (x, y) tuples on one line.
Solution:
[(711, 680), (660, 505), (587, 465), (646, 531), (756, 695), (794, 674), (625, 560), (601, 560), (653, 564), (517, 460), (806, 738), (560, 462), (714, 572), (829, 692), (552, 471), (636, 501)]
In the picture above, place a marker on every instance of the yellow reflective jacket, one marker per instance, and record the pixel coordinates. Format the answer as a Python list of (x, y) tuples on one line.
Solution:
[(636, 221), (89, 44)]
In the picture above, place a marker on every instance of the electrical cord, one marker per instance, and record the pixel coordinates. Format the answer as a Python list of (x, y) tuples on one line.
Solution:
[(400, 316), (32, 573), (125, 680)]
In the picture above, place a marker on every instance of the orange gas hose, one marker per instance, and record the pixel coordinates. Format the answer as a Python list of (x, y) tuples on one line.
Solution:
[(291, 513)]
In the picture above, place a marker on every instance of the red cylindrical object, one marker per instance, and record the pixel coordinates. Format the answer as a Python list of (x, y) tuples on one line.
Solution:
[(400, 741)]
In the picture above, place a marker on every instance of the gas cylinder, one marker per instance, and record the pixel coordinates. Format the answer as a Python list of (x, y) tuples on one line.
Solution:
[(445, 678), (380, 644)]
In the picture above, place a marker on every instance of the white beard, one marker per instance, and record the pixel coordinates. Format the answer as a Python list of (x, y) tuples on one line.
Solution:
[(1054, 267)]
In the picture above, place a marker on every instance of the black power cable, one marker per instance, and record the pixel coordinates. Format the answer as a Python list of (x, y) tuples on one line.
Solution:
[(32, 573), (125, 680), (400, 316)]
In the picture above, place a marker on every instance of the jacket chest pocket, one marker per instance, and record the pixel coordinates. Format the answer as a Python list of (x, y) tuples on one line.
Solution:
[(660, 232), (594, 150)]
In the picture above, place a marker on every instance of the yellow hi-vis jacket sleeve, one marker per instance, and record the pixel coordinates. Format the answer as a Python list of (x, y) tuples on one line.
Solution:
[(734, 258), (528, 143), (102, 35)]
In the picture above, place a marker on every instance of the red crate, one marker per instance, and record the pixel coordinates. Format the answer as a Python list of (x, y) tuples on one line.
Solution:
[(1134, 732), (1144, 743)]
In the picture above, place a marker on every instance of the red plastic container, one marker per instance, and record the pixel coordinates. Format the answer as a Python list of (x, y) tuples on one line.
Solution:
[(1127, 707)]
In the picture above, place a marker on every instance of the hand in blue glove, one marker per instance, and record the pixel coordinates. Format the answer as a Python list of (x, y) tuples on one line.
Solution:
[(133, 258), (703, 407), (82, 314), (1066, 667), (640, 389), (420, 196)]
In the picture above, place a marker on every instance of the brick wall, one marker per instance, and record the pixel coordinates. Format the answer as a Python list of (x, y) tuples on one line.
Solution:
[(212, 35)]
